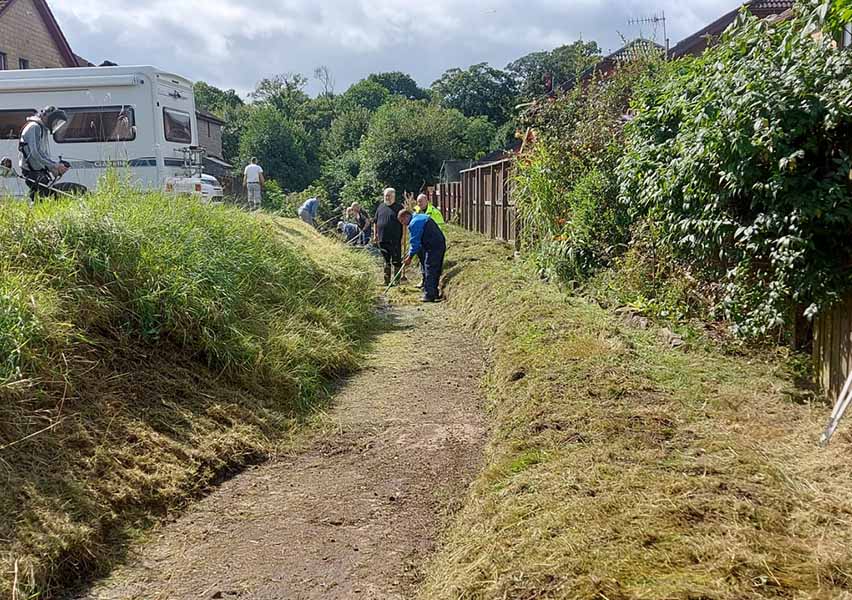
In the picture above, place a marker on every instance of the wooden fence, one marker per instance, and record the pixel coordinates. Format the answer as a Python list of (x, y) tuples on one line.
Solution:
[(833, 348), (482, 201)]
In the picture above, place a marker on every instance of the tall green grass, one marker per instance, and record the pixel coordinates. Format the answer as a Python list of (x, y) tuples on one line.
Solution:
[(148, 344)]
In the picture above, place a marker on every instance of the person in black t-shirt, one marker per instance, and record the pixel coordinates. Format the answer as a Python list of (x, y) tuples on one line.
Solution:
[(389, 234)]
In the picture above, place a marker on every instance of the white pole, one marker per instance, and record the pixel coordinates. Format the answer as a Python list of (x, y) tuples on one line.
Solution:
[(843, 401)]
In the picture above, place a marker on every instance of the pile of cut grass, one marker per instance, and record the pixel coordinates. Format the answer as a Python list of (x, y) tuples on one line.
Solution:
[(621, 468), (150, 345)]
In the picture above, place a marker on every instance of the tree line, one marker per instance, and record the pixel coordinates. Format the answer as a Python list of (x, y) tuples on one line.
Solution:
[(384, 130)]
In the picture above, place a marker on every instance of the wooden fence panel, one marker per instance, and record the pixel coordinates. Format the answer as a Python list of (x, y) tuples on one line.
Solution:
[(833, 348), (481, 202)]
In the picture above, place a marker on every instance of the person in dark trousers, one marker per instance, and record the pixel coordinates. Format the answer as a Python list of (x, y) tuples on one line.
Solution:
[(428, 242), (37, 166), (389, 234)]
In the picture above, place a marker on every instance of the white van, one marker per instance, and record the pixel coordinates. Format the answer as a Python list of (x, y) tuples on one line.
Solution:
[(138, 120)]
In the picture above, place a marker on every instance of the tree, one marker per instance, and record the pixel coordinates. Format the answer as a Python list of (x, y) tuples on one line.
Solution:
[(338, 171), (409, 140), (286, 92), (478, 90), (346, 131), (283, 146), (214, 100), (366, 94), (478, 137), (399, 84), (561, 65)]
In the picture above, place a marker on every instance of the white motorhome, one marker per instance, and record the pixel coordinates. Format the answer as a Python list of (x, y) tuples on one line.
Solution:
[(138, 120)]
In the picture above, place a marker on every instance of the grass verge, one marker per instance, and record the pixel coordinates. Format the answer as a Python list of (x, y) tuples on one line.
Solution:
[(150, 345), (621, 468)]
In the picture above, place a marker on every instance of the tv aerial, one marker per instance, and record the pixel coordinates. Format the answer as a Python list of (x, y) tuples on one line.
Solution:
[(654, 20)]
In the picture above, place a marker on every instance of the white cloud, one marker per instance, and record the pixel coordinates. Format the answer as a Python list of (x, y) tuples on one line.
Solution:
[(233, 43)]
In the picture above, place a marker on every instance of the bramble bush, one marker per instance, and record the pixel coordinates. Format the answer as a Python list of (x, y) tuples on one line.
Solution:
[(742, 156), (566, 187)]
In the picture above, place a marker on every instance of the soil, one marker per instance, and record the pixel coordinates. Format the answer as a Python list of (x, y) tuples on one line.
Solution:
[(358, 512)]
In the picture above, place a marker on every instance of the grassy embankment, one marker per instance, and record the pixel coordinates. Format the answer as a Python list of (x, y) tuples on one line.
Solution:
[(149, 346), (620, 467)]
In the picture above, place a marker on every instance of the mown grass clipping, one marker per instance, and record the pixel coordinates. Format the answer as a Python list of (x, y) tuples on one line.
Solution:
[(149, 345), (622, 468)]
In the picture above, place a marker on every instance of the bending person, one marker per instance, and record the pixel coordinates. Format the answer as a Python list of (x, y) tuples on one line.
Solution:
[(428, 242), (308, 211), (37, 166)]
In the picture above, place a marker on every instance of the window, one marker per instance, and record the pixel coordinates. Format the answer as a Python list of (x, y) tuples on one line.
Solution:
[(3, 64), (177, 125), (23, 63), (98, 124), (12, 123)]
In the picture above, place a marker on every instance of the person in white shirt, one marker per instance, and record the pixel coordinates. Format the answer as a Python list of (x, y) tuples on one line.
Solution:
[(253, 182)]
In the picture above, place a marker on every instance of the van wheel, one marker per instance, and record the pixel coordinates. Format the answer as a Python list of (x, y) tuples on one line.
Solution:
[(75, 189)]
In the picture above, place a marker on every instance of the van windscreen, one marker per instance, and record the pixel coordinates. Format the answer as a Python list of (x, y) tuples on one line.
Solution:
[(99, 124), (12, 123), (178, 126)]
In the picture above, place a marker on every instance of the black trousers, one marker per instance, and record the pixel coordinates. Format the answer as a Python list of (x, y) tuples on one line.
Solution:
[(392, 255), (39, 183)]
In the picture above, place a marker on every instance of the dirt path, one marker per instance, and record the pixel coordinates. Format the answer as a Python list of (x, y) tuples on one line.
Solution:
[(357, 514)]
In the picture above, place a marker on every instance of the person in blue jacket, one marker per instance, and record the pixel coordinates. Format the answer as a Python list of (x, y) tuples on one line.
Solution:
[(308, 211), (427, 241)]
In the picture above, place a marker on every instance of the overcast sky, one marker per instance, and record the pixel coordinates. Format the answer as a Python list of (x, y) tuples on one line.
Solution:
[(234, 43)]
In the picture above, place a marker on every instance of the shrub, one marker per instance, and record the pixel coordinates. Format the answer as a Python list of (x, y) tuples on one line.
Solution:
[(567, 191), (742, 155)]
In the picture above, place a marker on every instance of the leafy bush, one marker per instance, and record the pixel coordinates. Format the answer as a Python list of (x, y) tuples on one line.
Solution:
[(742, 155)]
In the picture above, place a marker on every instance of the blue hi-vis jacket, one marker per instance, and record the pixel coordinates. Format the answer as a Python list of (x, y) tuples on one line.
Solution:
[(424, 233)]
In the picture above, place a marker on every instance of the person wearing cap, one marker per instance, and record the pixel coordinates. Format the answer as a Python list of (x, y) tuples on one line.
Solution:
[(427, 241), (38, 167), (350, 231)]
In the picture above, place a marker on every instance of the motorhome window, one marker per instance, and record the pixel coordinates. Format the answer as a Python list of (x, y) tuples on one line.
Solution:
[(12, 123), (178, 126), (98, 125)]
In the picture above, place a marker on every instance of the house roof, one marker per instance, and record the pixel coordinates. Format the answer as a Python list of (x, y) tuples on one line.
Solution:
[(82, 62), (630, 51), (52, 27), (698, 40), (209, 116)]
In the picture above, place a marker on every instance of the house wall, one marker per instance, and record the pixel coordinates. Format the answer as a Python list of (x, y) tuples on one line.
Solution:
[(23, 34), (210, 137)]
